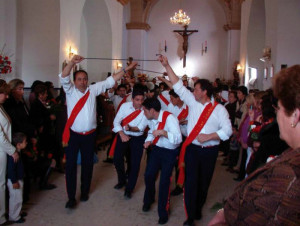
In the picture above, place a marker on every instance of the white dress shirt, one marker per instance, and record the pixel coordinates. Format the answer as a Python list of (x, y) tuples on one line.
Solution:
[(218, 121), (175, 110), (116, 99), (86, 118), (140, 121), (167, 96), (172, 127)]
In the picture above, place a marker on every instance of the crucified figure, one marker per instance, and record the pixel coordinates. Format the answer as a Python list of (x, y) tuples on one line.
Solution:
[(185, 35)]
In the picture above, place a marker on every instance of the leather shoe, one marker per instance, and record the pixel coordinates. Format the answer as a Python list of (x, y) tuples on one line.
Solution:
[(119, 185), (84, 198), (177, 191), (23, 214), (162, 220), (20, 221), (146, 207), (71, 204), (189, 222), (127, 195)]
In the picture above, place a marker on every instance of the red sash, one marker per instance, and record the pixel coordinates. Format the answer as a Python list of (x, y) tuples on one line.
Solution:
[(161, 125), (124, 122), (183, 114), (122, 102), (164, 99), (77, 108), (195, 131)]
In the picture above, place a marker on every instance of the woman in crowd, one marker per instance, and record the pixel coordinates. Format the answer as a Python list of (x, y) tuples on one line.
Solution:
[(6, 148), (271, 194)]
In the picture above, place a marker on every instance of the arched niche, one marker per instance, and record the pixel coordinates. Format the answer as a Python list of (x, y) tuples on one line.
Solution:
[(96, 38), (256, 41)]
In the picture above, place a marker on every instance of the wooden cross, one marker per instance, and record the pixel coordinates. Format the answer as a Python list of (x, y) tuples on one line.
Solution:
[(185, 34)]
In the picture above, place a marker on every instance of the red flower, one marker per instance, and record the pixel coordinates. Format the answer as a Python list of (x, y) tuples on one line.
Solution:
[(6, 58)]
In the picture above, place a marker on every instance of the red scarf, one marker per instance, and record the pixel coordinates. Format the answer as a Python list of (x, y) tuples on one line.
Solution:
[(122, 102), (161, 125), (79, 105), (164, 99), (194, 133), (183, 114), (125, 122)]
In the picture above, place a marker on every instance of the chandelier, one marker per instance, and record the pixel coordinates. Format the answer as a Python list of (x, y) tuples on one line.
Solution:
[(180, 18)]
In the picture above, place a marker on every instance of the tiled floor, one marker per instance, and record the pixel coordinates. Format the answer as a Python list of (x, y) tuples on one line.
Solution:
[(107, 206)]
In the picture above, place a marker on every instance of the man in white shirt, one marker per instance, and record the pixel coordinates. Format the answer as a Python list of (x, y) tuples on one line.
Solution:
[(165, 137), (202, 151), (164, 97), (120, 98), (129, 124), (80, 128), (179, 109)]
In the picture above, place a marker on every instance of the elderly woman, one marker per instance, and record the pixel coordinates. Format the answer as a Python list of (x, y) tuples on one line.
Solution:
[(271, 195), (6, 148)]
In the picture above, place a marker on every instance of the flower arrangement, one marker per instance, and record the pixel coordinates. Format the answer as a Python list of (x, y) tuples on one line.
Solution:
[(5, 63)]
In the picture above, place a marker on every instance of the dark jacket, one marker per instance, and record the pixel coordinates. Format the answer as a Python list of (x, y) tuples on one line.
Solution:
[(19, 115), (15, 170)]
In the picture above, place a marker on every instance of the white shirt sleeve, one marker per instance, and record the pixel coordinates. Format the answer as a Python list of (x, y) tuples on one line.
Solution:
[(66, 84), (118, 120), (101, 87), (150, 136), (185, 95), (173, 130), (142, 126), (225, 130)]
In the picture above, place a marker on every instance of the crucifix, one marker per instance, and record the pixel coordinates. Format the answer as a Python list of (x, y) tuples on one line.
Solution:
[(185, 35)]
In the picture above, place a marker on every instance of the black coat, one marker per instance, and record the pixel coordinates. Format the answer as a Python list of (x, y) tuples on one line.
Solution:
[(19, 115)]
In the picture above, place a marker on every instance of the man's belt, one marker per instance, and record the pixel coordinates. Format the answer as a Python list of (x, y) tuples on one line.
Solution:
[(85, 133)]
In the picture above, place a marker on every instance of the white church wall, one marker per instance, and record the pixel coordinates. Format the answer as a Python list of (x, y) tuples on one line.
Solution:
[(206, 16), (256, 40), (281, 34), (38, 40), (8, 28)]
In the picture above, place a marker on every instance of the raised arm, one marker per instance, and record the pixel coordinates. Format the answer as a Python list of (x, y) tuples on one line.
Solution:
[(67, 70), (172, 76), (166, 81), (120, 74)]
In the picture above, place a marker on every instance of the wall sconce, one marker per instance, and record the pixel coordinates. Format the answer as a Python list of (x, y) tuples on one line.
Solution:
[(239, 68), (204, 48), (72, 52), (119, 65)]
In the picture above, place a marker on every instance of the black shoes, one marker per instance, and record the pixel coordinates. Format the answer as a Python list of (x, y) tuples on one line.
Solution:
[(127, 195), (162, 220), (71, 204), (20, 221), (189, 222), (177, 191), (119, 185), (84, 198), (146, 207)]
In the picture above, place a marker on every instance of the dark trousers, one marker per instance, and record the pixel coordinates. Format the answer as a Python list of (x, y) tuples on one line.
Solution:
[(86, 145), (160, 159), (242, 172), (199, 169), (135, 146)]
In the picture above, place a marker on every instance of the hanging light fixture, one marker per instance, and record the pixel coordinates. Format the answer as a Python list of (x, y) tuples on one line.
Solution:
[(180, 18)]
